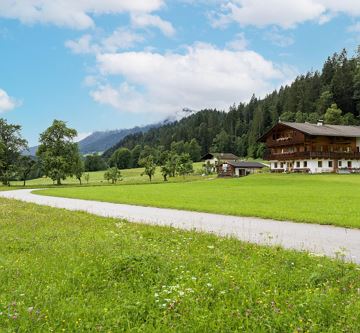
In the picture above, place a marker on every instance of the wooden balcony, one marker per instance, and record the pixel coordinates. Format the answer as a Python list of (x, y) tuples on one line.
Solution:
[(311, 155), (284, 142)]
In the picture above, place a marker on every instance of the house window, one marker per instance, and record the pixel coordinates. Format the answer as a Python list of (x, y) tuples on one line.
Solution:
[(281, 165), (340, 164), (330, 164), (358, 149), (275, 165), (319, 164), (298, 164), (305, 164), (349, 164)]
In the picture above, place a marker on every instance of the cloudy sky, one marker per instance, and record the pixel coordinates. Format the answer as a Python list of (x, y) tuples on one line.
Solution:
[(106, 64)]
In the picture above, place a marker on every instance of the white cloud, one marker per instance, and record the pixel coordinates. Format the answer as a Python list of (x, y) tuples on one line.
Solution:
[(120, 39), (147, 20), (7, 103), (72, 13), (239, 43), (278, 39), (354, 27), (90, 81), (283, 13), (204, 76), (83, 45), (125, 97)]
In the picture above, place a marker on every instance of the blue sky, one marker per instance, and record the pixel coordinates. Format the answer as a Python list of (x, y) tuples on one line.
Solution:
[(106, 64)]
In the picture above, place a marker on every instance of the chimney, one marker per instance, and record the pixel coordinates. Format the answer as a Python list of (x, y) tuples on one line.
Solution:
[(320, 122)]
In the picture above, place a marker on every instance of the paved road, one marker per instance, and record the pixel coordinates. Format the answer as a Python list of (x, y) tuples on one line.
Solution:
[(318, 239)]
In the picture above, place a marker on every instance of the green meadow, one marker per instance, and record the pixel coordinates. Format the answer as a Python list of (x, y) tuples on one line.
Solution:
[(66, 271), (325, 199), (129, 176)]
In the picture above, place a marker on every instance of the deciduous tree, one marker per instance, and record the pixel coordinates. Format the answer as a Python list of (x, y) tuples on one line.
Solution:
[(11, 146), (333, 115), (58, 152), (184, 165), (121, 158), (149, 164), (25, 167), (113, 174)]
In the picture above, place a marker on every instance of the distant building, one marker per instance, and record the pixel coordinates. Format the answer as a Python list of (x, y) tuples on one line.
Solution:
[(215, 159), (239, 169), (314, 148)]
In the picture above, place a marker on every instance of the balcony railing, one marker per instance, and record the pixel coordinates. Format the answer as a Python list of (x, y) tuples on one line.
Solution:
[(312, 154), (285, 142)]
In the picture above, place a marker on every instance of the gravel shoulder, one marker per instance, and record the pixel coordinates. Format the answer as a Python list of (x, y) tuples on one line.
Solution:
[(318, 239)]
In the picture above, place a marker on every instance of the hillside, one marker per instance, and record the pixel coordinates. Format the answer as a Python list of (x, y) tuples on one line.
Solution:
[(103, 140), (100, 141), (306, 99)]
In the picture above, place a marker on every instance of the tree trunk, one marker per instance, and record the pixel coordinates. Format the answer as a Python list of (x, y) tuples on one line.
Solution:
[(58, 181), (24, 182)]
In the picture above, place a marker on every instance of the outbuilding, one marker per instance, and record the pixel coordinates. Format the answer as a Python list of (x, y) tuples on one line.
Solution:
[(215, 159), (239, 169)]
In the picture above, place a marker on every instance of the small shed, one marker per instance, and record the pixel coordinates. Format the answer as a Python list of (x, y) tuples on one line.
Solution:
[(239, 169)]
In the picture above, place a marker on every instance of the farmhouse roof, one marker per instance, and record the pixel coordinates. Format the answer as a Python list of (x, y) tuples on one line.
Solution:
[(327, 130), (321, 130), (221, 156), (247, 165)]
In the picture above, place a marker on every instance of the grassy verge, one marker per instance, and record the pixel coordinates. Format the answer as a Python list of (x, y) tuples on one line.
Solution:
[(66, 271), (326, 199)]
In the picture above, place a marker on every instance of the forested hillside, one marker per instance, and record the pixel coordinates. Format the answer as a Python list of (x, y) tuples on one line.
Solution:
[(101, 141), (309, 98)]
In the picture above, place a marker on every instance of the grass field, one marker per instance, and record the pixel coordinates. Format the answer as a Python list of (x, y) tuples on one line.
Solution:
[(326, 199), (130, 176), (73, 272)]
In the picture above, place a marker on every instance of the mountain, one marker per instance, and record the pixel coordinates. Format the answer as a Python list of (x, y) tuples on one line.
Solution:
[(100, 141), (332, 94)]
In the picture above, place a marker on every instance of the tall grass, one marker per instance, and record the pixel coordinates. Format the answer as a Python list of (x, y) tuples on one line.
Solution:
[(72, 272)]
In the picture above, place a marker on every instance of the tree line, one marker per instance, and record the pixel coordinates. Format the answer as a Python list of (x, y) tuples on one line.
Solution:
[(332, 94), (58, 157)]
